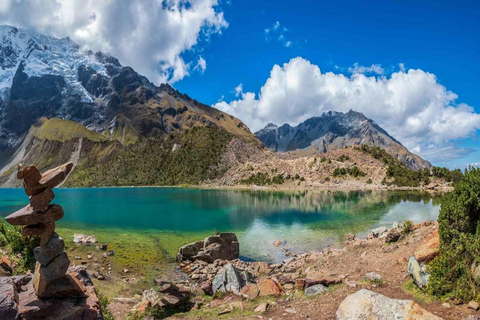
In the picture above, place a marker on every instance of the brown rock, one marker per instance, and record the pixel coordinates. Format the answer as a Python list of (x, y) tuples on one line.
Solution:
[(27, 215), (262, 307), (41, 201), (6, 264), (269, 287), (207, 288), (473, 305), (429, 247), (49, 179), (220, 246), (8, 299), (278, 243), (36, 229), (55, 176), (300, 283), (250, 291), (393, 235), (49, 280), (261, 267), (30, 173), (82, 307)]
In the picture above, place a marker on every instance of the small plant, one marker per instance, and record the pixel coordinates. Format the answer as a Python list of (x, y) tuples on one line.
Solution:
[(343, 158), (323, 159), (369, 181), (407, 226), (327, 179), (104, 302)]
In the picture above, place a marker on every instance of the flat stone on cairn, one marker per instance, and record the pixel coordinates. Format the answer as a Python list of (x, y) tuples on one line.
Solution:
[(50, 279)]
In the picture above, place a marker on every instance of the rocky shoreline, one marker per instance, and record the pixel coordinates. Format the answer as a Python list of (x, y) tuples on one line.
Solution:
[(225, 287)]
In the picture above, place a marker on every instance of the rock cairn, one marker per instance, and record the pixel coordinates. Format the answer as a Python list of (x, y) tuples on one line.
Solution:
[(50, 279)]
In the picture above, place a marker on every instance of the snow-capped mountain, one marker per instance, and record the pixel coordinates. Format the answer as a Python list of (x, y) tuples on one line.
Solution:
[(334, 130), (41, 76)]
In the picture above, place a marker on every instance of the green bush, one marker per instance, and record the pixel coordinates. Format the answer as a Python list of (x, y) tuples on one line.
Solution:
[(407, 226), (262, 179), (459, 230), (354, 172), (343, 158), (18, 244), (369, 181)]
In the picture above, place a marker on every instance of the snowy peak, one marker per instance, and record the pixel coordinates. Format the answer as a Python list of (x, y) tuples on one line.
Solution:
[(334, 130)]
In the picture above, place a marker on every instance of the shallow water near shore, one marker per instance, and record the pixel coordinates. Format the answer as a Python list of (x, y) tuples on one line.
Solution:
[(303, 220)]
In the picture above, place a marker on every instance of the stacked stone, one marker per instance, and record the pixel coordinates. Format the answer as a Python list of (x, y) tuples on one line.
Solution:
[(50, 278)]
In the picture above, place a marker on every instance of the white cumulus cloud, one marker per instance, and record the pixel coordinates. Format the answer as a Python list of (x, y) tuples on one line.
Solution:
[(201, 65), (149, 35), (411, 105)]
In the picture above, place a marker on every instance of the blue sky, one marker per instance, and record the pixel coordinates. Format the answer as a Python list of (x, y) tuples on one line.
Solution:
[(440, 37), (412, 66)]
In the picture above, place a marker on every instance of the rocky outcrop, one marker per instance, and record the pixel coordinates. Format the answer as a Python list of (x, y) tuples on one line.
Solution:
[(419, 275), (365, 304), (221, 246), (50, 278), (230, 279), (429, 247)]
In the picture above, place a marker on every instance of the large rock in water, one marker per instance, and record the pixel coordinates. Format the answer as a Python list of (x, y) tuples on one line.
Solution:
[(365, 304), (230, 279), (221, 246), (429, 247)]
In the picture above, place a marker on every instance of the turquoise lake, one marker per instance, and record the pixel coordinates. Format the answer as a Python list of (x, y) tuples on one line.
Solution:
[(306, 220)]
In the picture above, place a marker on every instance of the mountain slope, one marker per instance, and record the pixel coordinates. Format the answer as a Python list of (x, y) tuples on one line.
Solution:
[(335, 130), (59, 102)]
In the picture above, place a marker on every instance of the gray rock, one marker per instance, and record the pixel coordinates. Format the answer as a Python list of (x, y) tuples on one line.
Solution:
[(365, 304), (150, 295), (50, 251), (372, 276), (221, 246), (316, 289), (230, 279), (419, 275), (396, 225), (378, 232), (8, 299)]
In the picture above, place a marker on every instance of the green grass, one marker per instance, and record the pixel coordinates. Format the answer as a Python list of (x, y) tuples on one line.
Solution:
[(63, 130), (420, 296)]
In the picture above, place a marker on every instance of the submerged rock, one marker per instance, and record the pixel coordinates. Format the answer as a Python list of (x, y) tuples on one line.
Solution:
[(365, 304), (221, 246), (419, 275)]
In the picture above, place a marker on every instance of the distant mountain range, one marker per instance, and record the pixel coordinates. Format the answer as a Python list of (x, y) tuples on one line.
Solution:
[(335, 130), (59, 102)]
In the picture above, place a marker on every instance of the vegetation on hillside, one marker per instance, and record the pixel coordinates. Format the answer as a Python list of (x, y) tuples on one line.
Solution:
[(453, 271), (354, 172), (400, 175), (188, 158), (63, 130)]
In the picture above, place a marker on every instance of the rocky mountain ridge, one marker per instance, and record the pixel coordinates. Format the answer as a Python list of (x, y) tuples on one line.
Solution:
[(334, 130)]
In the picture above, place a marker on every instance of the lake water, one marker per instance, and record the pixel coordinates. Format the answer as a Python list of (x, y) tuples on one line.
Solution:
[(307, 220)]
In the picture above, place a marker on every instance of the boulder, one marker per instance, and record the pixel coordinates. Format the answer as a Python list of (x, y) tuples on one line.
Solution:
[(230, 279), (27, 216), (84, 239), (270, 287), (6, 265), (429, 247), (52, 249), (378, 232), (392, 236), (81, 307), (372, 276), (41, 201), (365, 304), (262, 307), (250, 291), (221, 246), (419, 275), (316, 289), (8, 299)]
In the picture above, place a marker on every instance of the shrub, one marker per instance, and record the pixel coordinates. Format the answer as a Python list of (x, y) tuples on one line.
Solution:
[(354, 172), (369, 181), (323, 159), (407, 226), (459, 231), (343, 158), (327, 179)]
